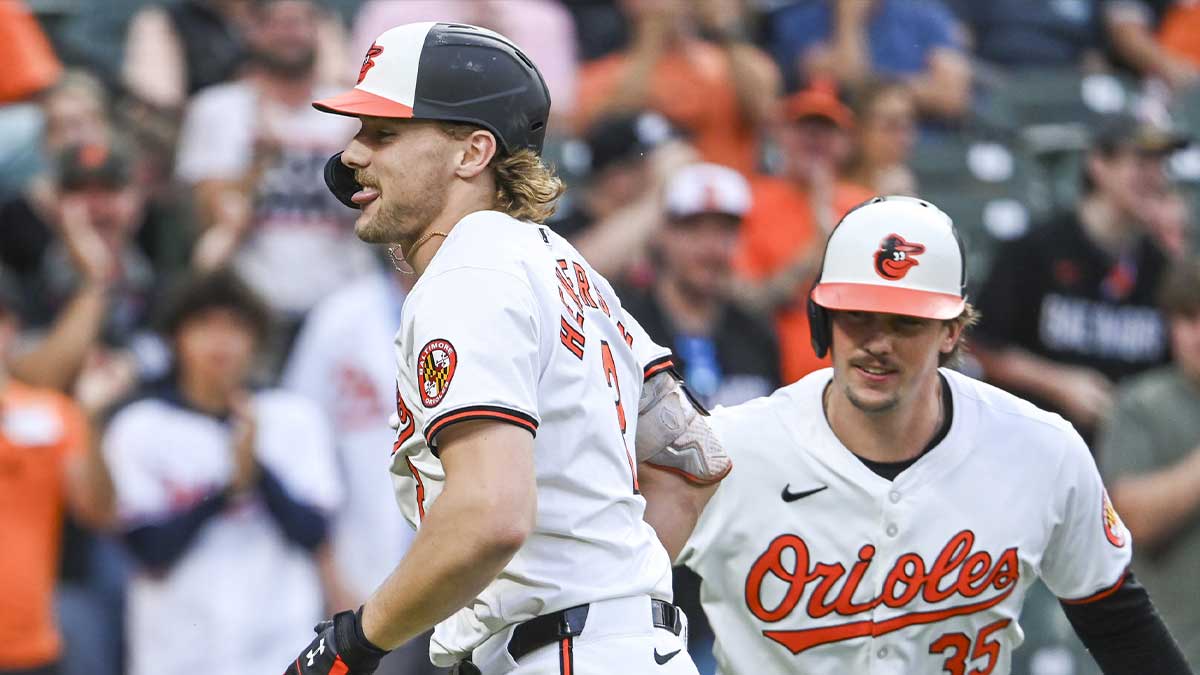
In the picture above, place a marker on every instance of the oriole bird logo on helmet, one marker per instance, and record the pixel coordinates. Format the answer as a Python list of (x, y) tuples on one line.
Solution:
[(896, 256)]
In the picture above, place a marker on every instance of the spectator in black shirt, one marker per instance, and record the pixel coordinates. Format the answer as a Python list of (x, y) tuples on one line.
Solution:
[(94, 189), (726, 355), (1070, 308)]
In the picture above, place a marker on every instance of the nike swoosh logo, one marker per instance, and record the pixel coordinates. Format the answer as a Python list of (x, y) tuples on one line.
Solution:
[(663, 658), (789, 496)]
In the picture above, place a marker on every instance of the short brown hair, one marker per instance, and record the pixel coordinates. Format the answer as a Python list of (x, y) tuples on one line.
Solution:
[(1179, 294), (526, 188), (198, 292), (968, 318)]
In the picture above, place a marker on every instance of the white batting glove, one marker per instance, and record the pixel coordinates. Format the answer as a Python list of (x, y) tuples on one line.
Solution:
[(673, 433)]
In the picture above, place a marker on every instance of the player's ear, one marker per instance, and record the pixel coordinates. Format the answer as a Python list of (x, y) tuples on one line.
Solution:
[(476, 153), (952, 331)]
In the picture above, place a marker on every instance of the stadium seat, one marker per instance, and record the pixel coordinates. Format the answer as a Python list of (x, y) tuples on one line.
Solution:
[(984, 185), (1049, 96)]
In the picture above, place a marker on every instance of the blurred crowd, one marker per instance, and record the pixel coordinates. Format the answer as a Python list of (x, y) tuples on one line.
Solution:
[(195, 362)]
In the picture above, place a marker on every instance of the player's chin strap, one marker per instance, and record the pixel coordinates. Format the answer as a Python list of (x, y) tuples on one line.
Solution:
[(673, 433)]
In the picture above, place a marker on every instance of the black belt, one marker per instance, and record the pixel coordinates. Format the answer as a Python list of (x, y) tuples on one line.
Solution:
[(550, 628), (568, 623)]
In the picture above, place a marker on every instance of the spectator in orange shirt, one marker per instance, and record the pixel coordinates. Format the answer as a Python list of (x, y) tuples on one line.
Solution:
[(47, 462), (1179, 30), (27, 58), (722, 90), (1135, 32), (783, 234)]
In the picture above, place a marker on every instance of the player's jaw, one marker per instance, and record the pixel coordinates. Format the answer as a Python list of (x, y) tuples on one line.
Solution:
[(402, 166), (873, 384), (879, 358)]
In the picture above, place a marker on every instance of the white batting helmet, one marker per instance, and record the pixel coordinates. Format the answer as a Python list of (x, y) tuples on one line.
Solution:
[(894, 254)]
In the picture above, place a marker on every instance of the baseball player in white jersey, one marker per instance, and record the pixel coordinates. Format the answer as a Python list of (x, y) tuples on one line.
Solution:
[(521, 383), (888, 515)]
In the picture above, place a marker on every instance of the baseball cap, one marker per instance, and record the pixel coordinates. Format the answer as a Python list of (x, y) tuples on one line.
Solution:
[(819, 100), (84, 165), (1124, 130), (897, 255), (707, 188), (619, 138), (453, 72)]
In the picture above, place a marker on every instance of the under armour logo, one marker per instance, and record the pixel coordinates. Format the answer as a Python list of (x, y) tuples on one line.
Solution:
[(313, 653)]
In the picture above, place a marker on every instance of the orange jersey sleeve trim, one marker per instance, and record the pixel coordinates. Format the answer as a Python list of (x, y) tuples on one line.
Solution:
[(480, 412), (1101, 594), (657, 366)]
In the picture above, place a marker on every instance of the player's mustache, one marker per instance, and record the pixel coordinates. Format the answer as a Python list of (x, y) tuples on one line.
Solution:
[(363, 180)]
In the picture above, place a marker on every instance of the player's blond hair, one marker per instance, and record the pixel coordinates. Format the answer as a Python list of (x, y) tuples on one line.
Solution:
[(526, 188), (968, 318)]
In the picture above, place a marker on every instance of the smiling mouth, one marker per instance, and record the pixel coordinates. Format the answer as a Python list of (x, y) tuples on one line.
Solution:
[(875, 373)]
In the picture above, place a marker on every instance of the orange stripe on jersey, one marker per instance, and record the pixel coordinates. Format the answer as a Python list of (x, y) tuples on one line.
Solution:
[(1101, 594), (657, 366), (339, 667), (420, 489), (799, 640), (481, 413), (566, 657)]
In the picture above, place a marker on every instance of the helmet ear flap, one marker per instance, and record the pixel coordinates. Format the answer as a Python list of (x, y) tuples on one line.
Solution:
[(818, 327), (339, 178)]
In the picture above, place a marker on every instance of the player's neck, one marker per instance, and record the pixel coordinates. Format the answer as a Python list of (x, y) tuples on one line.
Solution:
[(895, 435), (459, 205)]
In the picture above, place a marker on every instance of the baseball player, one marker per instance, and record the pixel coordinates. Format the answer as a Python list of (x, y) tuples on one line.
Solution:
[(521, 383), (888, 515)]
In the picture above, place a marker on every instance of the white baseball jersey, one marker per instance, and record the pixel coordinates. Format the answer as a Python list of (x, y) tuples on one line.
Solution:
[(812, 563), (342, 362), (241, 595), (509, 323)]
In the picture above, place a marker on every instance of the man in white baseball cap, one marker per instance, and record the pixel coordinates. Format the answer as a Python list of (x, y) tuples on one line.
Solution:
[(726, 354), (889, 515)]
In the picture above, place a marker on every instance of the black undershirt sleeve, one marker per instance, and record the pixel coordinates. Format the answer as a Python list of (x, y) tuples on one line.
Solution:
[(303, 524), (159, 545), (1125, 634)]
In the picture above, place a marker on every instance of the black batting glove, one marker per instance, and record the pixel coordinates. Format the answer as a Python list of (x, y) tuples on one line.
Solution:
[(340, 648)]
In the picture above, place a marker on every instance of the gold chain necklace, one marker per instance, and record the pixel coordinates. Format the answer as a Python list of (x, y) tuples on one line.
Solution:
[(400, 257)]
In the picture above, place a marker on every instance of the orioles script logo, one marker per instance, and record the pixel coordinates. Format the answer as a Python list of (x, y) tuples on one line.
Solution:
[(958, 572), (895, 256), (368, 61)]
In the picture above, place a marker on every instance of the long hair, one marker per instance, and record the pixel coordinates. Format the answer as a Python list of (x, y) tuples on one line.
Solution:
[(968, 318), (526, 188)]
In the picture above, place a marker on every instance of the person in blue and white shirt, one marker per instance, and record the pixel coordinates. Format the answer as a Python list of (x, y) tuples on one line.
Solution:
[(223, 496)]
